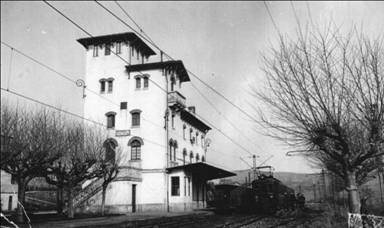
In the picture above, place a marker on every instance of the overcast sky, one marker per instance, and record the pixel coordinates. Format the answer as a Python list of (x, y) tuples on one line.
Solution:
[(219, 41)]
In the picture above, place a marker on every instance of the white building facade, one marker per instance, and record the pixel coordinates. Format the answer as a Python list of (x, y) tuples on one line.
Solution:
[(161, 142)]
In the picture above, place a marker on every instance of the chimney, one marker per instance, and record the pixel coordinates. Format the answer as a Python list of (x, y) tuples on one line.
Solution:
[(192, 109)]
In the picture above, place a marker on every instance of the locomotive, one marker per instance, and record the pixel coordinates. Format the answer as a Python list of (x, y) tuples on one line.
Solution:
[(266, 195)]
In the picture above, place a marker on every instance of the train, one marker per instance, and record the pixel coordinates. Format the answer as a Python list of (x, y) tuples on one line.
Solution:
[(266, 194)]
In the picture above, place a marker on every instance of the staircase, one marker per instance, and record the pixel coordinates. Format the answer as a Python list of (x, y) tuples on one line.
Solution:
[(86, 193)]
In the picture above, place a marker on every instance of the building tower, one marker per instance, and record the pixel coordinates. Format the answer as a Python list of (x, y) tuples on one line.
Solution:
[(162, 141)]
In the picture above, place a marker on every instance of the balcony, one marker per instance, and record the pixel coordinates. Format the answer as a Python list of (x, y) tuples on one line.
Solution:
[(176, 99)]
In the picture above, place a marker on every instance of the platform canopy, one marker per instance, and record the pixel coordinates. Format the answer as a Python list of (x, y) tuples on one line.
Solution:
[(203, 171)]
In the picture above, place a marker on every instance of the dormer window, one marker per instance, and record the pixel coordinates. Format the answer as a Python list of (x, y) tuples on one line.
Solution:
[(107, 50), (95, 51)]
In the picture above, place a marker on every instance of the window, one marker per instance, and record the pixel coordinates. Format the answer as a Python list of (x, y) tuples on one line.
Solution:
[(174, 150), (95, 51), (190, 134), (197, 157), (171, 145), (118, 48), (13, 179), (135, 150), (102, 86), (135, 118), (184, 155), (197, 138), (110, 146), (110, 86), (173, 121), (10, 200), (189, 186), (145, 78), (175, 183), (138, 82), (107, 50), (123, 105), (110, 119), (172, 83), (184, 127), (202, 141), (191, 157), (203, 158)]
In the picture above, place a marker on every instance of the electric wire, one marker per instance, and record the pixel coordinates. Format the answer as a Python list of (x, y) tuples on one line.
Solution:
[(69, 79), (89, 34)]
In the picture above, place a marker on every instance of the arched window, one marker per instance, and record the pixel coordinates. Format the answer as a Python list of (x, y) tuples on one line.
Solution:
[(171, 145), (138, 82), (146, 81), (173, 82), (135, 117), (135, 150), (184, 127), (110, 84), (184, 155), (175, 146), (197, 138), (203, 158), (102, 85), (190, 157), (190, 134), (110, 119), (135, 143), (110, 148), (197, 157)]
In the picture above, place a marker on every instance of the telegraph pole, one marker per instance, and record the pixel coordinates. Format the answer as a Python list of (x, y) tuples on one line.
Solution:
[(254, 167)]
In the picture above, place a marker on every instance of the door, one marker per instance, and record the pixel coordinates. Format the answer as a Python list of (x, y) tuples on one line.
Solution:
[(133, 198)]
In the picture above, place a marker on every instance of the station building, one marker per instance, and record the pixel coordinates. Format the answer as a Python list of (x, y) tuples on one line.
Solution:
[(160, 141)]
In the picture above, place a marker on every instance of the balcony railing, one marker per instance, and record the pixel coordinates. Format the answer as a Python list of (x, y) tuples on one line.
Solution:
[(175, 98)]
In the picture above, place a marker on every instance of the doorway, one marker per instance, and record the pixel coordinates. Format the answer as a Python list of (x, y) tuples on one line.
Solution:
[(133, 198)]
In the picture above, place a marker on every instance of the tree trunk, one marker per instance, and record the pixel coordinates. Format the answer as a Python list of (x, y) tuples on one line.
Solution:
[(71, 209), (59, 199), (103, 200), (353, 194), (21, 198)]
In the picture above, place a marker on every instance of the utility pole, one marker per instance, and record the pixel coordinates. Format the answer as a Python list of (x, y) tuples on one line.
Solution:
[(254, 167), (314, 193)]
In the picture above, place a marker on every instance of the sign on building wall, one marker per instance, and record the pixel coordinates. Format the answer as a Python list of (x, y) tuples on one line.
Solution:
[(122, 133)]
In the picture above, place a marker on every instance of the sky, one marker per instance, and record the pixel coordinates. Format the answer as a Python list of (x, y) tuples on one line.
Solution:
[(221, 42)]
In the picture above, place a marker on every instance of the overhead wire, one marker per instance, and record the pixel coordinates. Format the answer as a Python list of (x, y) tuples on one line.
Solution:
[(190, 72), (152, 42), (89, 34), (68, 78)]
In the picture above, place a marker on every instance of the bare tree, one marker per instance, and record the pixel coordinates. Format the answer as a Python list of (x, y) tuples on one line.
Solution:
[(108, 168), (326, 96), (33, 141), (78, 163)]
